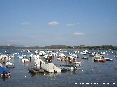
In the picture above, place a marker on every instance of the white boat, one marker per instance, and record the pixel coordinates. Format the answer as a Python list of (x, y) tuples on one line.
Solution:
[(1, 65), (59, 59), (24, 60), (99, 58), (35, 56), (74, 55), (108, 59), (77, 63), (42, 53), (38, 63), (103, 53), (4, 57), (83, 53), (61, 55), (91, 54), (84, 57), (50, 67), (9, 65), (68, 67)]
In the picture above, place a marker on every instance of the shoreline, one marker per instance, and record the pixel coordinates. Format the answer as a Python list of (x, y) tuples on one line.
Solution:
[(55, 49), (107, 47)]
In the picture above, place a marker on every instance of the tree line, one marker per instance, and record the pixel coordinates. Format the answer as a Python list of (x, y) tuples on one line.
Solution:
[(103, 47)]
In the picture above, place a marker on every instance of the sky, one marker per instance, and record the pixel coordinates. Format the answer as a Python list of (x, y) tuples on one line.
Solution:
[(58, 22)]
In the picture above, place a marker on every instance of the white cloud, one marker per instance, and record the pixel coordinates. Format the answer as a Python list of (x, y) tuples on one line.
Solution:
[(78, 33), (25, 23), (78, 23), (53, 23), (69, 24)]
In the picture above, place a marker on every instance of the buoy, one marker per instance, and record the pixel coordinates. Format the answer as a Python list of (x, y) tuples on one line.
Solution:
[(25, 76), (82, 70)]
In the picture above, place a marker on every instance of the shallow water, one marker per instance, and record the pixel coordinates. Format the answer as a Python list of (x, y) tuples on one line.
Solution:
[(89, 74)]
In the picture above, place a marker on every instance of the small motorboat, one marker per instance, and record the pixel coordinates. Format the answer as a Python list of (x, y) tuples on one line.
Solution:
[(99, 60), (68, 67), (4, 72), (84, 57), (10, 65), (108, 59), (77, 63), (24, 60)]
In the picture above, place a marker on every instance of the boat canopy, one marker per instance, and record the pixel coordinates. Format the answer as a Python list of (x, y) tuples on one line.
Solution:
[(3, 69)]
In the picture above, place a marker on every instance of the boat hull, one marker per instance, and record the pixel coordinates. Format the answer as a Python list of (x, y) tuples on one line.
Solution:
[(10, 66), (99, 60), (35, 70)]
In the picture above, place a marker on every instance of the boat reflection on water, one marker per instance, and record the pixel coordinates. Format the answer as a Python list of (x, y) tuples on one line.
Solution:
[(4, 78), (45, 74), (52, 74)]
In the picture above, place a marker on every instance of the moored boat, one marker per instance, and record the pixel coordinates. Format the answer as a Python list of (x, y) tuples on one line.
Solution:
[(24, 60), (77, 63), (99, 60), (108, 59), (4, 72), (10, 65), (68, 67), (84, 57)]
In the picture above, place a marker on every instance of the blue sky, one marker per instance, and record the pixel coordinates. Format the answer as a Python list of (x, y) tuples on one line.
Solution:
[(58, 22)]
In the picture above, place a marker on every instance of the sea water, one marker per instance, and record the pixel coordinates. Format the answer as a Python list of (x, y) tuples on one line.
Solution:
[(89, 74)]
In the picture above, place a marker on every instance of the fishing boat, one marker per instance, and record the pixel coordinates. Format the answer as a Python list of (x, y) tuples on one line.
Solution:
[(4, 72)]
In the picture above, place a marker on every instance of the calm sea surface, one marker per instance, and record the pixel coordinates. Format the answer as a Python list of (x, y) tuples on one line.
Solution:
[(89, 74)]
